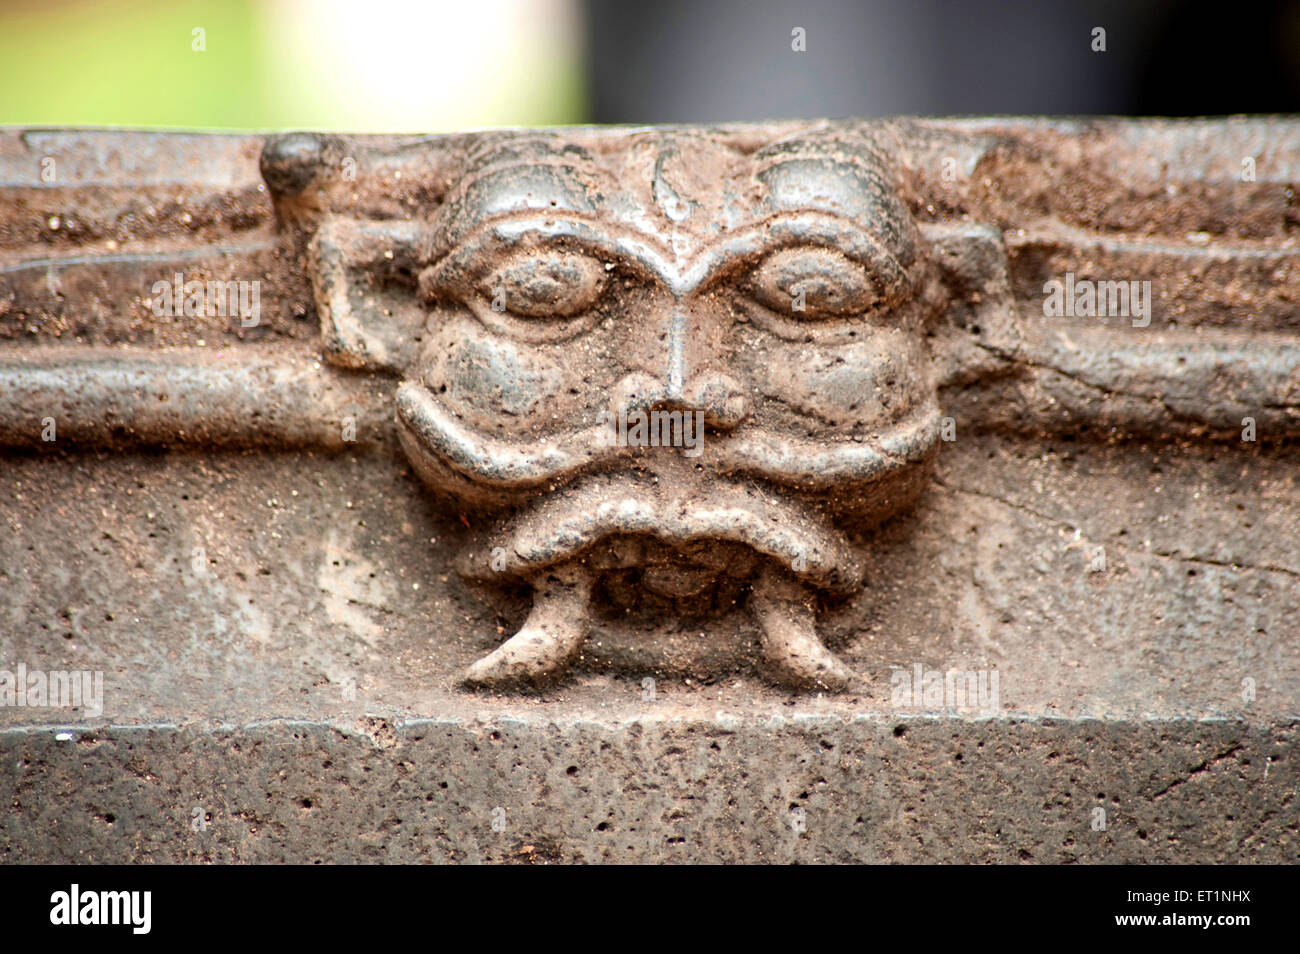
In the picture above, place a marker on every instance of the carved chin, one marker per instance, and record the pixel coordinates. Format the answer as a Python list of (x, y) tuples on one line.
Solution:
[(570, 523)]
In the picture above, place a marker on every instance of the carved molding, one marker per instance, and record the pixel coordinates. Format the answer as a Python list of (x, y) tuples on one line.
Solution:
[(669, 371)]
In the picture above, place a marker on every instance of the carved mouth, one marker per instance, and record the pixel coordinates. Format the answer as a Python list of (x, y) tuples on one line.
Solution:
[(431, 434), (562, 527)]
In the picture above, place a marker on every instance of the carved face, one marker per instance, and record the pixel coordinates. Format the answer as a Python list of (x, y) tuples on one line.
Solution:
[(759, 312), (672, 370)]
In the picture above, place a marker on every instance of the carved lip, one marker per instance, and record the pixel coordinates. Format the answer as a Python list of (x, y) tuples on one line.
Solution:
[(562, 526), (428, 428)]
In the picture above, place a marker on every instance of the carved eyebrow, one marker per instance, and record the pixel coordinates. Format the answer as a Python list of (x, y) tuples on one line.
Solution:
[(781, 230), (626, 245), (596, 237), (788, 229)]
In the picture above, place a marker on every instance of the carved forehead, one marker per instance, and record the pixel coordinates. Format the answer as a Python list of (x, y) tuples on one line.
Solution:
[(680, 183), (847, 178), (517, 175)]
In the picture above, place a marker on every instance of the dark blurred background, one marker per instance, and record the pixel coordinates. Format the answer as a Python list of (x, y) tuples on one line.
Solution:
[(438, 65), (732, 59)]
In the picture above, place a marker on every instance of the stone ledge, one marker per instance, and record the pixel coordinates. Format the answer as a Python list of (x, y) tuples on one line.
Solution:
[(872, 789)]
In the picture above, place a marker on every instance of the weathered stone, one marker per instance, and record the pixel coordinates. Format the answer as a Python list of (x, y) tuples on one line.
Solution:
[(283, 634), (784, 788)]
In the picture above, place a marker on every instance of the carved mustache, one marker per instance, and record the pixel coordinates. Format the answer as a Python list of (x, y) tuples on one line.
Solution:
[(427, 428)]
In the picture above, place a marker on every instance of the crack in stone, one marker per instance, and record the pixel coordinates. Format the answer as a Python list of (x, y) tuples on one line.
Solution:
[(1166, 554), (1007, 503), (1076, 377), (1267, 567), (1203, 767)]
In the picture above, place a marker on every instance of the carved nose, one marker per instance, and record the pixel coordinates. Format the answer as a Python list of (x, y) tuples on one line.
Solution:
[(675, 372), (718, 396), (670, 382)]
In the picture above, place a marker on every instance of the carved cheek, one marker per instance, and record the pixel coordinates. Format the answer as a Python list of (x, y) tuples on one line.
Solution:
[(493, 383), (874, 382)]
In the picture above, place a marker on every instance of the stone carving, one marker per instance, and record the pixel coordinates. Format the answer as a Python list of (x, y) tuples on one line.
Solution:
[(760, 318), (765, 317), (687, 370)]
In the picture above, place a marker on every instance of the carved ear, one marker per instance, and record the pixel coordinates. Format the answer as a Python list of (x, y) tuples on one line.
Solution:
[(364, 274), (981, 332)]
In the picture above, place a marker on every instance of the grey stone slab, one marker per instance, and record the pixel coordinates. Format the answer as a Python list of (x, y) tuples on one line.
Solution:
[(301, 687), (265, 542)]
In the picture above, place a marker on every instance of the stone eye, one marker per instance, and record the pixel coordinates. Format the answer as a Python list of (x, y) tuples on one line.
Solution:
[(814, 283), (546, 284)]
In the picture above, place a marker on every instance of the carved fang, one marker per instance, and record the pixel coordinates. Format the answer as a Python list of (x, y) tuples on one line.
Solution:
[(550, 639), (794, 655)]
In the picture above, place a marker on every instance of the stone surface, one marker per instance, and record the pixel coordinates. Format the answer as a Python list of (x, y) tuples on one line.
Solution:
[(658, 789), (304, 667), (282, 617)]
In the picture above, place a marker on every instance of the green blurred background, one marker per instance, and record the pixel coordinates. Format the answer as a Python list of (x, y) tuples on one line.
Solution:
[(443, 65), (376, 65)]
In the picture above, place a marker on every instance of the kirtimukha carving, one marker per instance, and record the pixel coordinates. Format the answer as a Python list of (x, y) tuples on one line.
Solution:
[(686, 370), (674, 372)]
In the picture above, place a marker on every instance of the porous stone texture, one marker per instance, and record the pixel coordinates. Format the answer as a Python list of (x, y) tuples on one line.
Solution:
[(800, 787), (302, 691), (227, 528)]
